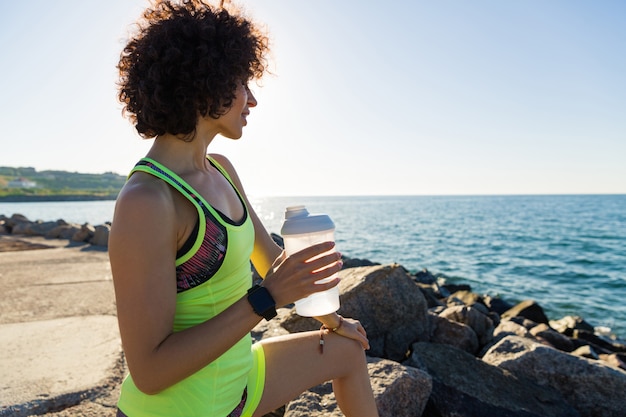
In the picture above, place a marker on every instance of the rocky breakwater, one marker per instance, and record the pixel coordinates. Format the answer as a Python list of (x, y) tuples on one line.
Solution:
[(442, 350), (18, 225)]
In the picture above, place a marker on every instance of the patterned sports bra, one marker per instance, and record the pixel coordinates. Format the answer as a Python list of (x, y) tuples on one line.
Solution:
[(196, 266)]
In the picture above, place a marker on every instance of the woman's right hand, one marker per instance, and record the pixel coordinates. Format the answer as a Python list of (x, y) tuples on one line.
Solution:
[(294, 277)]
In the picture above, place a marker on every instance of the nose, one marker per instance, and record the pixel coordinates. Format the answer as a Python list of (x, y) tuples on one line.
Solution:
[(251, 99)]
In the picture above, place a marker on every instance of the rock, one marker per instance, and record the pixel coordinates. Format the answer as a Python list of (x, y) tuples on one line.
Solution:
[(617, 360), (33, 228), (448, 332), (478, 321), (467, 297), (496, 304), (85, 233), (593, 388), (101, 235), (425, 277), (355, 262), (399, 391), (389, 304), (318, 401), (543, 332), (464, 386), (528, 309), (65, 231), (600, 343), (523, 321), (568, 324), (266, 329), (586, 351), (452, 288), (508, 328), (431, 295)]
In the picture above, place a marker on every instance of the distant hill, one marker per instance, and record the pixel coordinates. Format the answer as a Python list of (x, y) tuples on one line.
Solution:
[(28, 184)]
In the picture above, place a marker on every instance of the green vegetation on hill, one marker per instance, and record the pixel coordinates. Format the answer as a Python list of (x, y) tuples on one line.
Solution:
[(28, 184)]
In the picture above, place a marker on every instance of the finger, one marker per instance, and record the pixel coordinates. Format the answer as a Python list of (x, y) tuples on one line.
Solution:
[(323, 260), (323, 286), (313, 251)]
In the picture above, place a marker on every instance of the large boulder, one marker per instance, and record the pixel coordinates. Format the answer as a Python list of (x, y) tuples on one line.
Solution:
[(399, 391), (389, 304), (464, 386), (593, 388)]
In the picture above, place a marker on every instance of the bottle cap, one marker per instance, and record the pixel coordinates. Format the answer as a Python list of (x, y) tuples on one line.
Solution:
[(298, 221)]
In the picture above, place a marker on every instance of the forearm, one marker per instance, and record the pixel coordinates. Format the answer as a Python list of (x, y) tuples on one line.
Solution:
[(331, 321), (183, 353)]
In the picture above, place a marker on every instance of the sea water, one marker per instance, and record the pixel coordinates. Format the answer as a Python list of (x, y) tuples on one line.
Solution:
[(566, 252)]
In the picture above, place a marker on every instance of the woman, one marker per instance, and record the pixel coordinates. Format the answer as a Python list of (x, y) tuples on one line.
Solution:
[(184, 233)]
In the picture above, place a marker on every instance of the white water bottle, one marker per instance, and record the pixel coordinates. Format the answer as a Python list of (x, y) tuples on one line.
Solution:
[(301, 230)]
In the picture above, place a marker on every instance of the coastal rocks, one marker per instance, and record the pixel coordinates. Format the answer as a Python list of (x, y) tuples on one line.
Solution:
[(18, 224), (463, 385), (458, 329), (593, 388), (399, 391)]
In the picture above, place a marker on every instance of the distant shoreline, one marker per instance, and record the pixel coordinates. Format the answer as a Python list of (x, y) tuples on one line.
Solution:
[(53, 198)]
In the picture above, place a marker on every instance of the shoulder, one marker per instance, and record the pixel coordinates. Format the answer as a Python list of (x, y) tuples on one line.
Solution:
[(142, 188), (144, 199)]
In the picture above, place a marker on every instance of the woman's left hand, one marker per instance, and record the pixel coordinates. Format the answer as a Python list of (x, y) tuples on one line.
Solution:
[(352, 329)]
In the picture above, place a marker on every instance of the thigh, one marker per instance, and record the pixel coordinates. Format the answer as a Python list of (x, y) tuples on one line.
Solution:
[(294, 364)]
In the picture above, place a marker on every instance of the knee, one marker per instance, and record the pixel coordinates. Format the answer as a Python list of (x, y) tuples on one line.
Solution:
[(351, 352)]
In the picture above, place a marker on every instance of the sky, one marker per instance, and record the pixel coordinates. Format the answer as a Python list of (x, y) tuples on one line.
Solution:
[(414, 97)]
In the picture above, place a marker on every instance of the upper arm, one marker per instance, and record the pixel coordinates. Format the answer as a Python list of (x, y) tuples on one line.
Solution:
[(265, 249), (142, 246)]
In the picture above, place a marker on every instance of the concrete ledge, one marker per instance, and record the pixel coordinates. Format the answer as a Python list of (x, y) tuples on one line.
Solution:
[(53, 364)]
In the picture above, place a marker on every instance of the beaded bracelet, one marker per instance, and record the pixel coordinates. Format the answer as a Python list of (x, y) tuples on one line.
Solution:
[(323, 330)]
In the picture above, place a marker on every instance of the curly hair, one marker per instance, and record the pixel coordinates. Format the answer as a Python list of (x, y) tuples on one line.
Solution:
[(186, 59)]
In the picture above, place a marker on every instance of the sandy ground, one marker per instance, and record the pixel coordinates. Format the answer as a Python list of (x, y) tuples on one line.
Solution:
[(61, 351)]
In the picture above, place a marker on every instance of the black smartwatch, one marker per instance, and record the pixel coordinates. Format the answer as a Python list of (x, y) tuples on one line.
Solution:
[(262, 302)]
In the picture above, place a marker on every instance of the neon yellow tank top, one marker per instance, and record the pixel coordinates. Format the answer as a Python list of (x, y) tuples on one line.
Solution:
[(216, 389)]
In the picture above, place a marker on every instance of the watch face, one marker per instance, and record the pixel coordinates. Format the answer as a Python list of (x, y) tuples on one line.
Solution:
[(262, 302)]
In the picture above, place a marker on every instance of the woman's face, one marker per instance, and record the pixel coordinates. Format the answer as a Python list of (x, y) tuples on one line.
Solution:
[(232, 122)]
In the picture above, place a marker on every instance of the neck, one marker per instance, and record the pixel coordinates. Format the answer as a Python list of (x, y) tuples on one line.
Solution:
[(179, 155)]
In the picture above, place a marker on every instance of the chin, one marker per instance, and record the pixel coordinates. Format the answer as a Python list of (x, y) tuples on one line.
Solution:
[(233, 135)]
